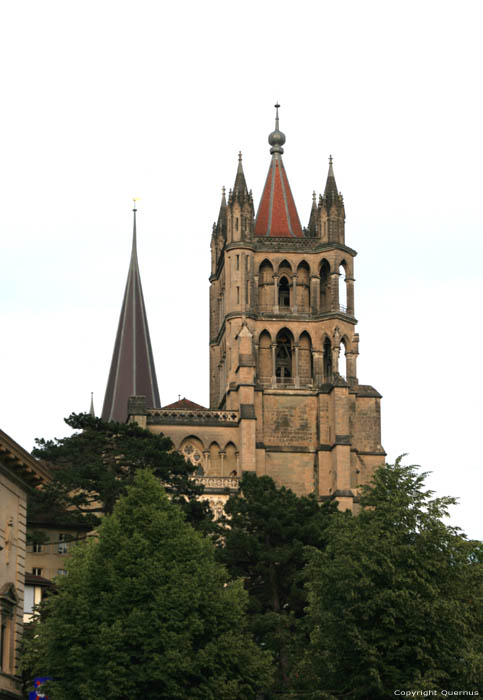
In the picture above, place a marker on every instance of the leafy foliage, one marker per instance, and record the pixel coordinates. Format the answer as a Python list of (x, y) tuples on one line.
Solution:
[(145, 611), (93, 467), (395, 599), (265, 533)]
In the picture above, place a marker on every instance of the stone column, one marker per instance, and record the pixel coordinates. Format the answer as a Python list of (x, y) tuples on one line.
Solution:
[(335, 359), (206, 466), (243, 300), (294, 293), (275, 293), (297, 373), (315, 294), (255, 299), (274, 350), (350, 295), (222, 461), (334, 283)]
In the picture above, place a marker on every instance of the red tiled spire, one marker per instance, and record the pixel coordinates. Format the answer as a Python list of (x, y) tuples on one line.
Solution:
[(132, 368), (277, 213)]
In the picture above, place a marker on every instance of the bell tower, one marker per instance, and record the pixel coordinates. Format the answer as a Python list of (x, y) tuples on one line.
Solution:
[(283, 340)]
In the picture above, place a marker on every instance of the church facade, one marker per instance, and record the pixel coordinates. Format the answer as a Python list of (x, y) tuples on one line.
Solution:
[(285, 399)]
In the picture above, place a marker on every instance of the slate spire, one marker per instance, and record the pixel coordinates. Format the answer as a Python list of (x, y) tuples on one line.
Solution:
[(277, 213), (132, 368)]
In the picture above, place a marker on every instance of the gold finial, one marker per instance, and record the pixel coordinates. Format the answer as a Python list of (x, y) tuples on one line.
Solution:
[(135, 199)]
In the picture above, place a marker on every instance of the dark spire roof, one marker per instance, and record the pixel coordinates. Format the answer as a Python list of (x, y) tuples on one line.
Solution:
[(277, 213), (132, 368)]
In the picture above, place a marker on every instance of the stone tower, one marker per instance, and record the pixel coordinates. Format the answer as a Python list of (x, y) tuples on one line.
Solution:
[(283, 341)]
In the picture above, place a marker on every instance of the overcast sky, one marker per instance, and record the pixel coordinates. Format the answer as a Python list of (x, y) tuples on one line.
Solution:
[(104, 101)]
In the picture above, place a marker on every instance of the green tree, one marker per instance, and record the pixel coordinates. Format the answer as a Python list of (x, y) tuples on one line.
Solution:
[(395, 599), (145, 611), (92, 468), (266, 530)]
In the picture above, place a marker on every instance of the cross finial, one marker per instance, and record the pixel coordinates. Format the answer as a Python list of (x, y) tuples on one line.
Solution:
[(330, 160), (277, 105), (239, 156)]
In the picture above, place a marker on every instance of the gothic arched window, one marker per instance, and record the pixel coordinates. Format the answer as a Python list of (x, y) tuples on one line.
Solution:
[(283, 355), (324, 286), (284, 293)]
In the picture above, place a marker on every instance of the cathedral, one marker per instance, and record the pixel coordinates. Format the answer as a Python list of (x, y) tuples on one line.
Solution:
[(285, 399)]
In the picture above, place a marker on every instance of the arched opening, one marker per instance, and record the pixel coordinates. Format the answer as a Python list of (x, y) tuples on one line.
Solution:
[(192, 450), (284, 356), (324, 286), (305, 359), (343, 359), (327, 360), (264, 356), (215, 460), (284, 293), (230, 467), (343, 286), (303, 287), (265, 285)]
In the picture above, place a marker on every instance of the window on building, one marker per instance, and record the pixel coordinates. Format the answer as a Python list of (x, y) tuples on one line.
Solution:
[(283, 356), (36, 547), (284, 292), (61, 572), (63, 543), (237, 261), (37, 571)]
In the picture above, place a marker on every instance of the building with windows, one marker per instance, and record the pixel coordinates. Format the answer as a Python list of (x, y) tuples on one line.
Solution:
[(18, 472), (285, 397)]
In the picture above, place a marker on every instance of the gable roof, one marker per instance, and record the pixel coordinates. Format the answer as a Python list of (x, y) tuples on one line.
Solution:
[(185, 404)]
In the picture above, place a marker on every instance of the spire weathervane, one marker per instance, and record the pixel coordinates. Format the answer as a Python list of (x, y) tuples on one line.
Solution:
[(276, 116), (276, 139)]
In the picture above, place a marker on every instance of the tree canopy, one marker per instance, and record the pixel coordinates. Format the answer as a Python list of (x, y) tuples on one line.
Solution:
[(145, 611), (395, 599), (92, 468), (266, 530)]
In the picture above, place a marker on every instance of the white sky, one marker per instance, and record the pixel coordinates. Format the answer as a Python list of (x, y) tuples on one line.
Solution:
[(102, 101)]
